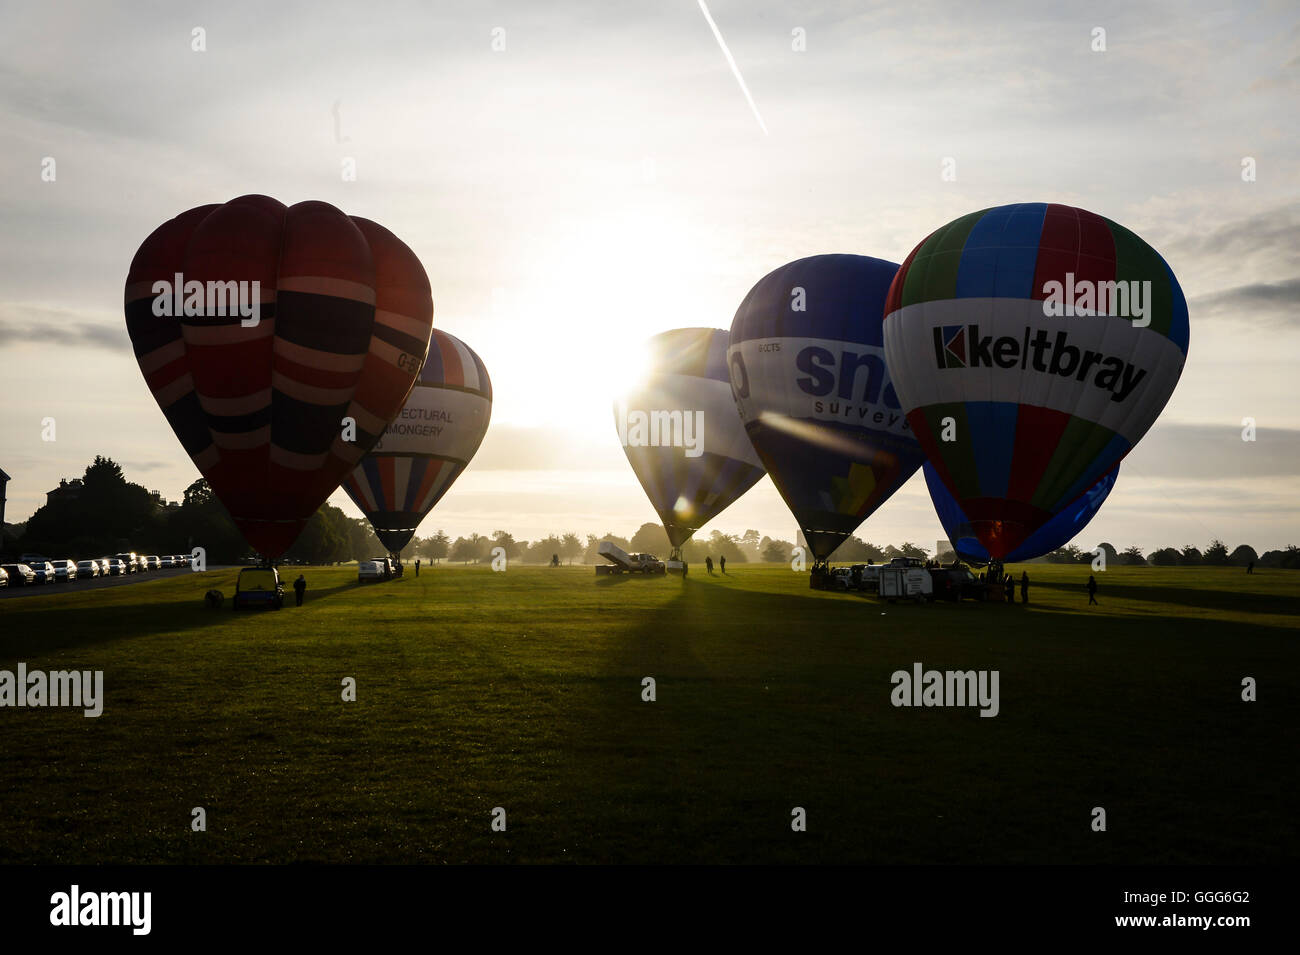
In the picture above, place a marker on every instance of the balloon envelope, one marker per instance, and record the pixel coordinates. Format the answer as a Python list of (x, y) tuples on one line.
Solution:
[(1056, 533), (809, 375), (681, 433), (261, 402), (428, 445), (1022, 384)]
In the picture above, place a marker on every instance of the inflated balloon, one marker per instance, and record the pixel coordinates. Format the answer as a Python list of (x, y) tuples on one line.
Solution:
[(428, 444), (681, 433), (1032, 347), (1056, 533), (809, 375), (279, 343)]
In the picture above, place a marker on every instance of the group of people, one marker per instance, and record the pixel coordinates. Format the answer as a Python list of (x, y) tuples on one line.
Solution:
[(722, 564), (1009, 588)]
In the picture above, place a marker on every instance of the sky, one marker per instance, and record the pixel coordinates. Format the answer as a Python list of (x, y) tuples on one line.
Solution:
[(599, 176)]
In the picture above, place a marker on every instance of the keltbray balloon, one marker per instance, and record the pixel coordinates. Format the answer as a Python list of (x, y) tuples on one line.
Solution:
[(1032, 346), (681, 433), (279, 343), (1056, 533), (428, 445), (810, 379)]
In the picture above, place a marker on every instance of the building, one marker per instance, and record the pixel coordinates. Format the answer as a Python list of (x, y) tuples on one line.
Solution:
[(66, 489)]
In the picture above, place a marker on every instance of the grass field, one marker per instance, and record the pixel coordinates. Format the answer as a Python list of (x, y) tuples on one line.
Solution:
[(523, 690)]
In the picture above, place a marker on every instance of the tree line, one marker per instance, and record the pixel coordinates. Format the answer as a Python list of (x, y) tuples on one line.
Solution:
[(102, 513)]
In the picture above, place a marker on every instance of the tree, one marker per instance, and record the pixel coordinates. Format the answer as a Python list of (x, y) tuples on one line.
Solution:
[(908, 549), (650, 539), (464, 550), (1216, 554), (1243, 555), (726, 545), (570, 547), (749, 543), (1132, 557), (592, 555), (1165, 557), (1190, 556), (438, 546), (1112, 555), (1069, 554), (776, 552), (506, 541)]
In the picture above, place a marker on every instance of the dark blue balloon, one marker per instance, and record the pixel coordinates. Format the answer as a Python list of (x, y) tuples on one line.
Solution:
[(1056, 533)]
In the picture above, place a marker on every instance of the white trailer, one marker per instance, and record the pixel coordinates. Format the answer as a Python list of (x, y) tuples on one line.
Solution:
[(907, 583), (621, 562)]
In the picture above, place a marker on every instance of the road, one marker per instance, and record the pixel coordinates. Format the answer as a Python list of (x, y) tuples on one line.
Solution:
[(95, 583)]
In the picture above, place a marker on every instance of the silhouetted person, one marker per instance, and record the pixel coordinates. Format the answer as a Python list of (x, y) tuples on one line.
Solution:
[(1250, 568), (722, 562), (300, 588), (708, 564), (1024, 587), (685, 568), (417, 567), (1009, 589), (555, 560), (1092, 590)]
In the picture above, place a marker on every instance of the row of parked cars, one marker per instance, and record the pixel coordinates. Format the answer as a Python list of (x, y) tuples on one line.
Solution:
[(32, 569), (378, 568)]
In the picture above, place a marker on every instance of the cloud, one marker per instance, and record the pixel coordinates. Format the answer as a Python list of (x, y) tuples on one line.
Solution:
[(53, 325), (1278, 302), (1215, 451)]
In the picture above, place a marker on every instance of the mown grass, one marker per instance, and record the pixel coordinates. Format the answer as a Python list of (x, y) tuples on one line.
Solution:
[(523, 690)]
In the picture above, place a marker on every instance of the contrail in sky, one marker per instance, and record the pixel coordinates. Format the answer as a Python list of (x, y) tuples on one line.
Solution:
[(734, 68)]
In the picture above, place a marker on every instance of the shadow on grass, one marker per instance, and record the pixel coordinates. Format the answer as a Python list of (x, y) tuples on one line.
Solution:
[(1185, 597), (765, 703), (27, 634)]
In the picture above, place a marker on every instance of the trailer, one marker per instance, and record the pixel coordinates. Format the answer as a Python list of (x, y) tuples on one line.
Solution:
[(899, 581), (621, 562)]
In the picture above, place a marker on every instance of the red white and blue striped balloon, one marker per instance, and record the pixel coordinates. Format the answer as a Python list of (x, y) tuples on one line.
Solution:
[(428, 445), (345, 316)]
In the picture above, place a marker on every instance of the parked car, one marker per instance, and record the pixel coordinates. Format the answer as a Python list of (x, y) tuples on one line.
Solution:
[(258, 587), (20, 575), (152, 562), (44, 572), (31, 560), (184, 560), (131, 561), (88, 568), (4, 577), (104, 569), (841, 579), (867, 577), (64, 570), (957, 583), (374, 569), (117, 566)]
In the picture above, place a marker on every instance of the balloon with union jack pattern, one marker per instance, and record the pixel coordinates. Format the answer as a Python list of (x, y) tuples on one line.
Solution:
[(427, 446)]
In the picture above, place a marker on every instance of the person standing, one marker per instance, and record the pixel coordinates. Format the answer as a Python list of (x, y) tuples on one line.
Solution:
[(417, 567), (1250, 567), (722, 562), (708, 564), (1009, 589), (1024, 587), (300, 588), (1092, 590), (685, 568)]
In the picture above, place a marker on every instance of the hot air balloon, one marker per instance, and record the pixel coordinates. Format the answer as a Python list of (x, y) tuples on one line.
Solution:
[(279, 343), (1032, 346), (809, 375), (682, 435), (1056, 533), (427, 446)]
